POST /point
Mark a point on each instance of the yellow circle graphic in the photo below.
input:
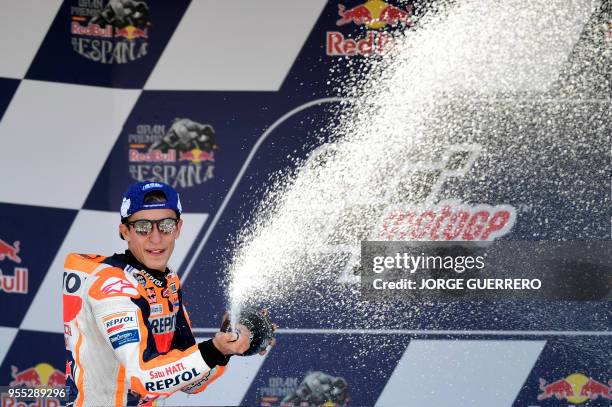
(577, 380)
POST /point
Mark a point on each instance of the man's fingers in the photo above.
(271, 343)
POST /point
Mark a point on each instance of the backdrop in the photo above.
(90, 102)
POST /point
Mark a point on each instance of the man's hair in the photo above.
(155, 196)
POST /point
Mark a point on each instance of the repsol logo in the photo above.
(172, 381)
(162, 325)
(121, 320)
(154, 280)
(72, 282)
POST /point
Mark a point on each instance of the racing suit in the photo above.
(128, 337)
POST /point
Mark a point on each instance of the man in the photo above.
(128, 336)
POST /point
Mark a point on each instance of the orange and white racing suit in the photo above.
(128, 337)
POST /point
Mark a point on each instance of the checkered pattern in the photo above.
(253, 71)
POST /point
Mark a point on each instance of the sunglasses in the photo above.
(145, 226)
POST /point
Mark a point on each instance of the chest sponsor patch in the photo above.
(163, 324)
(121, 328)
(139, 277)
(156, 309)
(151, 278)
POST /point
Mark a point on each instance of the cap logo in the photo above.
(152, 185)
(125, 207)
(155, 205)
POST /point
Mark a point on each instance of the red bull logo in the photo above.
(575, 388)
(359, 15)
(197, 156)
(43, 374)
(131, 33)
(154, 156)
(10, 252)
(373, 43)
(374, 15)
(183, 155)
(18, 282)
(91, 30)
(112, 33)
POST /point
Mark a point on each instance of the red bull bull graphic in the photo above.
(131, 33)
(575, 388)
(181, 156)
(359, 15)
(18, 282)
(28, 377)
(375, 16)
(56, 379)
(594, 389)
(113, 33)
(9, 252)
(197, 156)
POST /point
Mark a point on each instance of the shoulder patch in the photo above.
(115, 285)
(121, 328)
(112, 282)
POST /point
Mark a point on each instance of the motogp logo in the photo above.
(410, 209)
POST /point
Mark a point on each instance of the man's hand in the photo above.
(231, 343)
(224, 340)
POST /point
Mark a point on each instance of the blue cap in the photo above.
(133, 199)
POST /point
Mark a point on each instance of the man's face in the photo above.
(152, 250)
